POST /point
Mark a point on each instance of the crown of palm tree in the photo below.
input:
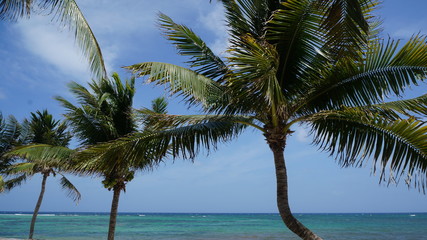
(322, 63)
(43, 130)
(105, 111)
(317, 62)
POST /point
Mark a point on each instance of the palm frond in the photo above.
(12, 133)
(46, 130)
(2, 184)
(354, 136)
(408, 107)
(194, 87)
(105, 111)
(9, 130)
(203, 60)
(14, 182)
(68, 13)
(167, 121)
(254, 78)
(145, 150)
(247, 16)
(9, 134)
(26, 168)
(14, 9)
(82, 94)
(53, 156)
(384, 71)
(159, 105)
(347, 24)
(296, 31)
(72, 191)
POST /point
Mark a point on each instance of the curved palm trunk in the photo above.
(277, 146)
(39, 203)
(113, 213)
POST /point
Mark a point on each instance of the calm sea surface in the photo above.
(89, 226)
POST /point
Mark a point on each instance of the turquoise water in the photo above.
(133, 226)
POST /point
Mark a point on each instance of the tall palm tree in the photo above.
(12, 134)
(67, 13)
(105, 114)
(317, 62)
(44, 130)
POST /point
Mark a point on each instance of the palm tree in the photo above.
(12, 134)
(106, 114)
(44, 130)
(67, 13)
(319, 63)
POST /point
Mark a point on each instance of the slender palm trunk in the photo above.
(39, 203)
(277, 144)
(113, 213)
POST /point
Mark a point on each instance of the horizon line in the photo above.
(106, 212)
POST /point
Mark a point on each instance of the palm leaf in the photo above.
(82, 94)
(42, 154)
(167, 121)
(145, 150)
(242, 17)
(408, 107)
(72, 191)
(159, 105)
(2, 184)
(12, 133)
(203, 60)
(296, 30)
(254, 78)
(13, 9)
(194, 87)
(68, 13)
(14, 182)
(104, 113)
(19, 168)
(9, 130)
(347, 24)
(354, 136)
(384, 71)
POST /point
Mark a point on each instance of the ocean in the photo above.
(192, 226)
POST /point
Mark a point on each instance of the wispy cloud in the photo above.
(53, 46)
(302, 134)
(215, 22)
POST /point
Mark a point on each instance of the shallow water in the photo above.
(132, 226)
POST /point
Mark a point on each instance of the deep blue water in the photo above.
(191, 226)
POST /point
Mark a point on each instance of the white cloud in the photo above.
(127, 16)
(215, 22)
(53, 46)
(302, 134)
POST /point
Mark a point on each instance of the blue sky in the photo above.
(38, 58)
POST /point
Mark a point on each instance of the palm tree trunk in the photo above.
(277, 143)
(39, 203)
(113, 213)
